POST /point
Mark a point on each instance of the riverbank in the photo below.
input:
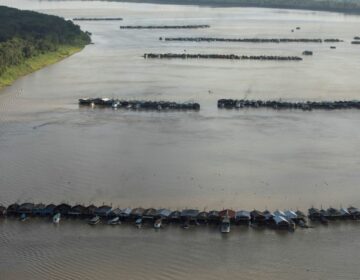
(35, 63)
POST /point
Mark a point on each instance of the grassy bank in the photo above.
(35, 63)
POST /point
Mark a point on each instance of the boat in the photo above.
(138, 222)
(354, 212)
(186, 224)
(242, 217)
(94, 220)
(225, 225)
(282, 223)
(332, 214)
(114, 221)
(56, 218)
(314, 214)
(158, 223)
(23, 217)
(345, 214)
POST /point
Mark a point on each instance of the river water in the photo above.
(53, 151)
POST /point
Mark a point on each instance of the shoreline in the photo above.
(38, 62)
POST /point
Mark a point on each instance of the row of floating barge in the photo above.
(97, 19)
(138, 105)
(219, 56)
(273, 104)
(250, 40)
(221, 103)
(192, 26)
(188, 217)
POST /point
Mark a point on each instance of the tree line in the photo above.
(25, 34)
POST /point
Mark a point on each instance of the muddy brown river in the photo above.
(53, 151)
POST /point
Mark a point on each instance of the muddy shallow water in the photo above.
(53, 151)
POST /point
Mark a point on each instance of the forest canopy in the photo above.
(25, 34)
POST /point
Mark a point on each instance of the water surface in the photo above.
(53, 151)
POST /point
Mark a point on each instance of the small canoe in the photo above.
(114, 221)
(225, 225)
(95, 220)
(158, 224)
(138, 222)
(56, 218)
(23, 217)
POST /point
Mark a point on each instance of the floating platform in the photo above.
(220, 56)
(287, 219)
(138, 104)
(277, 105)
(97, 19)
(194, 26)
(249, 40)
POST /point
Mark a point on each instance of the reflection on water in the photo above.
(52, 150)
(78, 251)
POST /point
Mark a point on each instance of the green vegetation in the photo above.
(30, 41)
(344, 6)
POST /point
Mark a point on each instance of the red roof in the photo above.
(227, 212)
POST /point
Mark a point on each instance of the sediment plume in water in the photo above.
(138, 104)
(219, 56)
(248, 40)
(195, 26)
(274, 104)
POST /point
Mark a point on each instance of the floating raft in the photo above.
(277, 105)
(287, 219)
(195, 26)
(219, 56)
(138, 104)
(96, 19)
(249, 40)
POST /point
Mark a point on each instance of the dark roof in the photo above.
(203, 215)
(50, 206)
(191, 213)
(137, 211)
(175, 214)
(26, 206)
(150, 212)
(13, 207)
(39, 206)
(78, 208)
(103, 209)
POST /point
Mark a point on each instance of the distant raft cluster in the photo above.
(139, 216)
(190, 26)
(96, 19)
(219, 56)
(138, 104)
(250, 40)
(356, 41)
(278, 104)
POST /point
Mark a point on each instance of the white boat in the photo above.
(95, 220)
(114, 221)
(158, 223)
(56, 218)
(138, 222)
(225, 225)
